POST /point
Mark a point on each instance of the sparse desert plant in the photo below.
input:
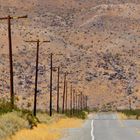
(4, 106)
(131, 114)
(45, 118)
(32, 120)
(29, 105)
(77, 114)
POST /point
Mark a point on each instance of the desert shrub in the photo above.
(11, 123)
(82, 115)
(32, 120)
(128, 113)
(43, 117)
(4, 106)
(78, 114)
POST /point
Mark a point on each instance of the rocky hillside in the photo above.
(99, 40)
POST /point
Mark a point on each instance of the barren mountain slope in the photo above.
(99, 40)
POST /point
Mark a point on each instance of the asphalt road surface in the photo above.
(105, 126)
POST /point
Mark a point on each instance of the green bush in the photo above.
(82, 115)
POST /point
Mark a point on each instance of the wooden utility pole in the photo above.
(51, 69)
(66, 105)
(51, 78)
(85, 99)
(58, 81)
(64, 93)
(71, 90)
(86, 102)
(36, 75)
(77, 102)
(130, 103)
(81, 101)
(8, 18)
(73, 101)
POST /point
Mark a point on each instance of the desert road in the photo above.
(106, 126)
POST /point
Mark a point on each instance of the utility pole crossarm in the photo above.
(19, 17)
(37, 41)
(45, 41)
(4, 18)
(32, 41)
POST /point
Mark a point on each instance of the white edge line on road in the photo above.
(92, 130)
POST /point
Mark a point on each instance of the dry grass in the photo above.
(67, 123)
(122, 116)
(47, 132)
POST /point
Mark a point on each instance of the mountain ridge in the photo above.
(103, 53)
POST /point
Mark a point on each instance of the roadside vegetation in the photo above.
(21, 124)
(130, 114)
(51, 131)
(80, 114)
(4, 107)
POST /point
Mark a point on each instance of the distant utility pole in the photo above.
(51, 78)
(58, 87)
(86, 102)
(71, 99)
(8, 18)
(81, 101)
(58, 82)
(66, 107)
(36, 75)
(77, 102)
(130, 103)
(64, 93)
(51, 69)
